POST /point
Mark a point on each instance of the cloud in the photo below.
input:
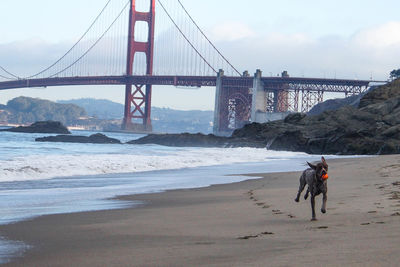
(381, 36)
(374, 51)
(231, 31)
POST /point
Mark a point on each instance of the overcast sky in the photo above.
(356, 39)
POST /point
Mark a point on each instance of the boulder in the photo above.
(41, 127)
(182, 140)
(95, 139)
(381, 94)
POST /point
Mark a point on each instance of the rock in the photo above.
(294, 117)
(41, 127)
(95, 139)
(182, 140)
(381, 94)
(334, 104)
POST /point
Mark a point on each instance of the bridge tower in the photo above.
(138, 101)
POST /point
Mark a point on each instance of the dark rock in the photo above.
(41, 127)
(182, 140)
(334, 104)
(381, 94)
(294, 118)
(94, 138)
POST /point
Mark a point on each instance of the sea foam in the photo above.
(34, 167)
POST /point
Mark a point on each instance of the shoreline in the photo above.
(253, 222)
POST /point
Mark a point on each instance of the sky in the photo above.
(354, 39)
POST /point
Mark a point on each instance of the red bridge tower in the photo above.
(138, 101)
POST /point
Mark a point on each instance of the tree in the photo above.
(394, 74)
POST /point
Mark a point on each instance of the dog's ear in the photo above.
(314, 167)
(324, 162)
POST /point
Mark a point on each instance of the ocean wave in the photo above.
(35, 167)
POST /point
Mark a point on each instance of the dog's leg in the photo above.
(306, 195)
(313, 208)
(324, 199)
(301, 187)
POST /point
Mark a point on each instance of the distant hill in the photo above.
(23, 110)
(163, 119)
(99, 108)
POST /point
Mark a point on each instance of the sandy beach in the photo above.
(251, 223)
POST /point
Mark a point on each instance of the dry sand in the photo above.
(252, 223)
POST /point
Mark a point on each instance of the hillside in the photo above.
(163, 119)
(25, 110)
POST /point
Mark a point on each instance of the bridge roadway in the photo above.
(294, 83)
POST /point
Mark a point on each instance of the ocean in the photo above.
(49, 178)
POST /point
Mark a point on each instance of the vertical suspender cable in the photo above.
(180, 3)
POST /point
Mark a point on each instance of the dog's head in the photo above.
(321, 169)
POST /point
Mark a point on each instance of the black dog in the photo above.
(316, 179)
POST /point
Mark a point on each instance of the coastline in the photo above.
(254, 222)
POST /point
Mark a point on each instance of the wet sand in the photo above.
(251, 223)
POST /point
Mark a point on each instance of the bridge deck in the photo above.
(327, 85)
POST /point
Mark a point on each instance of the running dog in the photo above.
(316, 178)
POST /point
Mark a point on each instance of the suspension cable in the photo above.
(190, 43)
(94, 44)
(9, 73)
(205, 36)
(77, 42)
(4, 77)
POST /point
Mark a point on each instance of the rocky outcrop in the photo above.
(41, 127)
(94, 138)
(333, 104)
(195, 140)
(381, 94)
(182, 140)
(371, 128)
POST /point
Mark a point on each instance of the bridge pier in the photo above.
(137, 115)
(266, 99)
(232, 104)
(260, 98)
(218, 104)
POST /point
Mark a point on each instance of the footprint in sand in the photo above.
(266, 206)
(277, 212)
(291, 216)
(247, 237)
(254, 236)
(372, 211)
(253, 198)
(364, 223)
(380, 222)
(267, 233)
(260, 203)
(319, 227)
(396, 214)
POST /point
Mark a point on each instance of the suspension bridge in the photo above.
(127, 44)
